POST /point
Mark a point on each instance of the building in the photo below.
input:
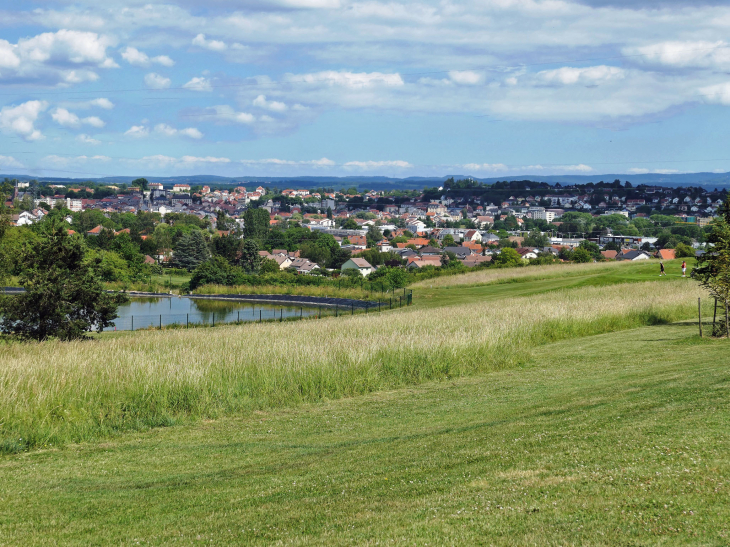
(360, 264)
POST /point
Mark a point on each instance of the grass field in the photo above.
(620, 438)
(523, 409)
(52, 393)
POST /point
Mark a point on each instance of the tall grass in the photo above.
(328, 291)
(505, 275)
(53, 393)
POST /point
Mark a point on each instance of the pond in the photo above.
(140, 313)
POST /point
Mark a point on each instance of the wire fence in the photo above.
(258, 314)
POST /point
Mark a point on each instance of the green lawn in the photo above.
(621, 438)
(541, 282)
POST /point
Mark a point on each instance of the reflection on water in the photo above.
(147, 312)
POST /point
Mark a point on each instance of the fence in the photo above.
(327, 308)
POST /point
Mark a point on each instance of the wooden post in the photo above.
(699, 310)
(214, 319)
(714, 317)
(239, 317)
(160, 322)
(133, 323)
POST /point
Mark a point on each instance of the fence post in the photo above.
(281, 317)
(160, 322)
(337, 310)
(214, 319)
(378, 305)
(133, 323)
(320, 313)
(699, 309)
(301, 313)
(714, 317)
(239, 317)
(353, 309)
(260, 320)
(187, 320)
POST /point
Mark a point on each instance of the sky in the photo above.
(363, 87)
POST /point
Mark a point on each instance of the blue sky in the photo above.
(348, 87)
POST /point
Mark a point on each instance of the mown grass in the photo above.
(53, 393)
(617, 439)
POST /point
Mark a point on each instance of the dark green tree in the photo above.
(250, 259)
(141, 183)
(256, 223)
(713, 267)
(64, 296)
(192, 250)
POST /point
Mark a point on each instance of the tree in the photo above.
(329, 213)
(350, 224)
(684, 251)
(536, 239)
(581, 255)
(256, 223)
(215, 271)
(713, 267)
(508, 257)
(374, 236)
(448, 241)
(192, 250)
(142, 183)
(250, 258)
(64, 296)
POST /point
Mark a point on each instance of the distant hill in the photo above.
(707, 180)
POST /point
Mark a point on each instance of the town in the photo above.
(463, 221)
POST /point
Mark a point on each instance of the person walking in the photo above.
(684, 268)
(662, 272)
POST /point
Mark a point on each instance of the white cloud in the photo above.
(465, 77)
(586, 76)
(212, 45)
(354, 80)
(86, 139)
(137, 131)
(378, 164)
(206, 159)
(486, 167)
(170, 131)
(644, 171)
(225, 113)
(66, 56)
(274, 106)
(716, 94)
(155, 81)
(19, 120)
(70, 160)
(10, 161)
(582, 168)
(686, 54)
(68, 119)
(102, 102)
(322, 162)
(199, 84)
(136, 57)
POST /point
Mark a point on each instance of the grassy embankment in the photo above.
(54, 393)
(617, 439)
(327, 291)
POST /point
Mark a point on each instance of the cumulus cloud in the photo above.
(10, 161)
(212, 45)
(683, 54)
(71, 160)
(137, 131)
(65, 56)
(102, 102)
(465, 77)
(716, 94)
(274, 106)
(156, 81)
(163, 161)
(68, 119)
(19, 120)
(225, 113)
(486, 167)
(170, 131)
(586, 76)
(644, 171)
(199, 84)
(138, 58)
(322, 162)
(378, 164)
(86, 139)
(347, 79)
